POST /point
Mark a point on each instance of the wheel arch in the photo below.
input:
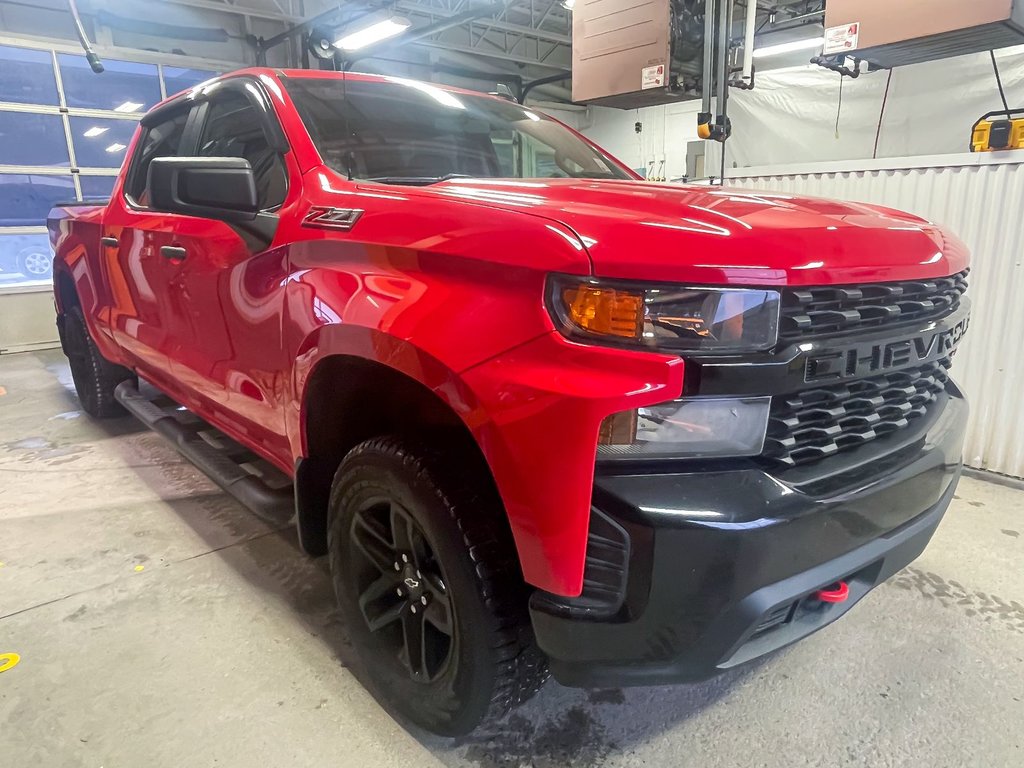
(347, 397)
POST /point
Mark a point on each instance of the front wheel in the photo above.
(429, 588)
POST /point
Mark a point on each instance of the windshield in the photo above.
(408, 132)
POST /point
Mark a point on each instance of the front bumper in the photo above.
(694, 572)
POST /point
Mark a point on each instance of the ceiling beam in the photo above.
(427, 9)
(236, 9)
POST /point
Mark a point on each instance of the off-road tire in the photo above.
(94, 376)
(494, 663)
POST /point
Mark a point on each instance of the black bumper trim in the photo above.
(723, 562)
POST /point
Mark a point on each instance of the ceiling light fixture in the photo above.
(790, 47)
(116, 147)
(374, 33)
(94, 132)
(128, 106)
(568, 4)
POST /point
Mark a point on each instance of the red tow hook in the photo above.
(834, 593)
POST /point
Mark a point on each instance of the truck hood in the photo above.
(715, 235)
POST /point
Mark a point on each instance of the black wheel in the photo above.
(430, 589)
(95, 377)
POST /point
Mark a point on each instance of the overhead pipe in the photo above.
(793, 22)
(542, 81)
(748, 44)
(90, 55)
(472, 69)
(724, 17)
(262, 46)
(709, 57)
(722, 126)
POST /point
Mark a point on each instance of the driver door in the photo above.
(230, 285)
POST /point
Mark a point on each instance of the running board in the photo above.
(256, 483)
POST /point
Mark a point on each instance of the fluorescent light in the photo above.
(94, 132)
(795, 45)
(116, 147)
(568, 4)
(374, 33)
(128, 106)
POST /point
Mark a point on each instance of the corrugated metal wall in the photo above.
(982, 201)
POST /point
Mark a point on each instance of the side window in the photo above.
(161, 140)
(233, 129)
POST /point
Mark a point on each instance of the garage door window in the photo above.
(26, 76)
(64, 134)
(101, 142)
(125, 86)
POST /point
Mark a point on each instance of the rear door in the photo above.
(133, 256)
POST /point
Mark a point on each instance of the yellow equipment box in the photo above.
(991, 135)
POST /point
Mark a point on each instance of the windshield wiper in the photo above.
(418, 181)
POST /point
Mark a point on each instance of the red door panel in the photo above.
(140, 288)
(227, 313)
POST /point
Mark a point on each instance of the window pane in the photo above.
(25, 259)
(25, 200)
(124, 85)
(405, 132)
(233, 129)
(101, 143)
(26, 76)
(160, 141)
(97, 186)
(27, 139)
(177, 79)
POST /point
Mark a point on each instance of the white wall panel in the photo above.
(982, 201)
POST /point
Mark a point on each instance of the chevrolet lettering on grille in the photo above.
(858, 361)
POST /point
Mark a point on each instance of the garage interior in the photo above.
(158, 621)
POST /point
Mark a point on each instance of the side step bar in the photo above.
(262, 488)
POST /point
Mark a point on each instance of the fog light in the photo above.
(693, 427)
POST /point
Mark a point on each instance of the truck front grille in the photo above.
(830, 310)
(815, 423)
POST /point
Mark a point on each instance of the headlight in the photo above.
(664, 317)
(694, 427)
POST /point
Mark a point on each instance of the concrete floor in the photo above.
(161, 624)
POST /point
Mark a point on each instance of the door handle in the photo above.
(173, 252)
(109, 242)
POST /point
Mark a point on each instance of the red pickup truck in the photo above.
(538, 413)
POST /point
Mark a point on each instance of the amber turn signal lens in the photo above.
(605, 311)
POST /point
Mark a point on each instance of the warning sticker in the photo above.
(652, 77)
(842, 39)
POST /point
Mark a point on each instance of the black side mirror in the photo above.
(222, 188)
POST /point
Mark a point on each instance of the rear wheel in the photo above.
(429, 587)
(95, 377)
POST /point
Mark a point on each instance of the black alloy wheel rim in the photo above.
(403, 595)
